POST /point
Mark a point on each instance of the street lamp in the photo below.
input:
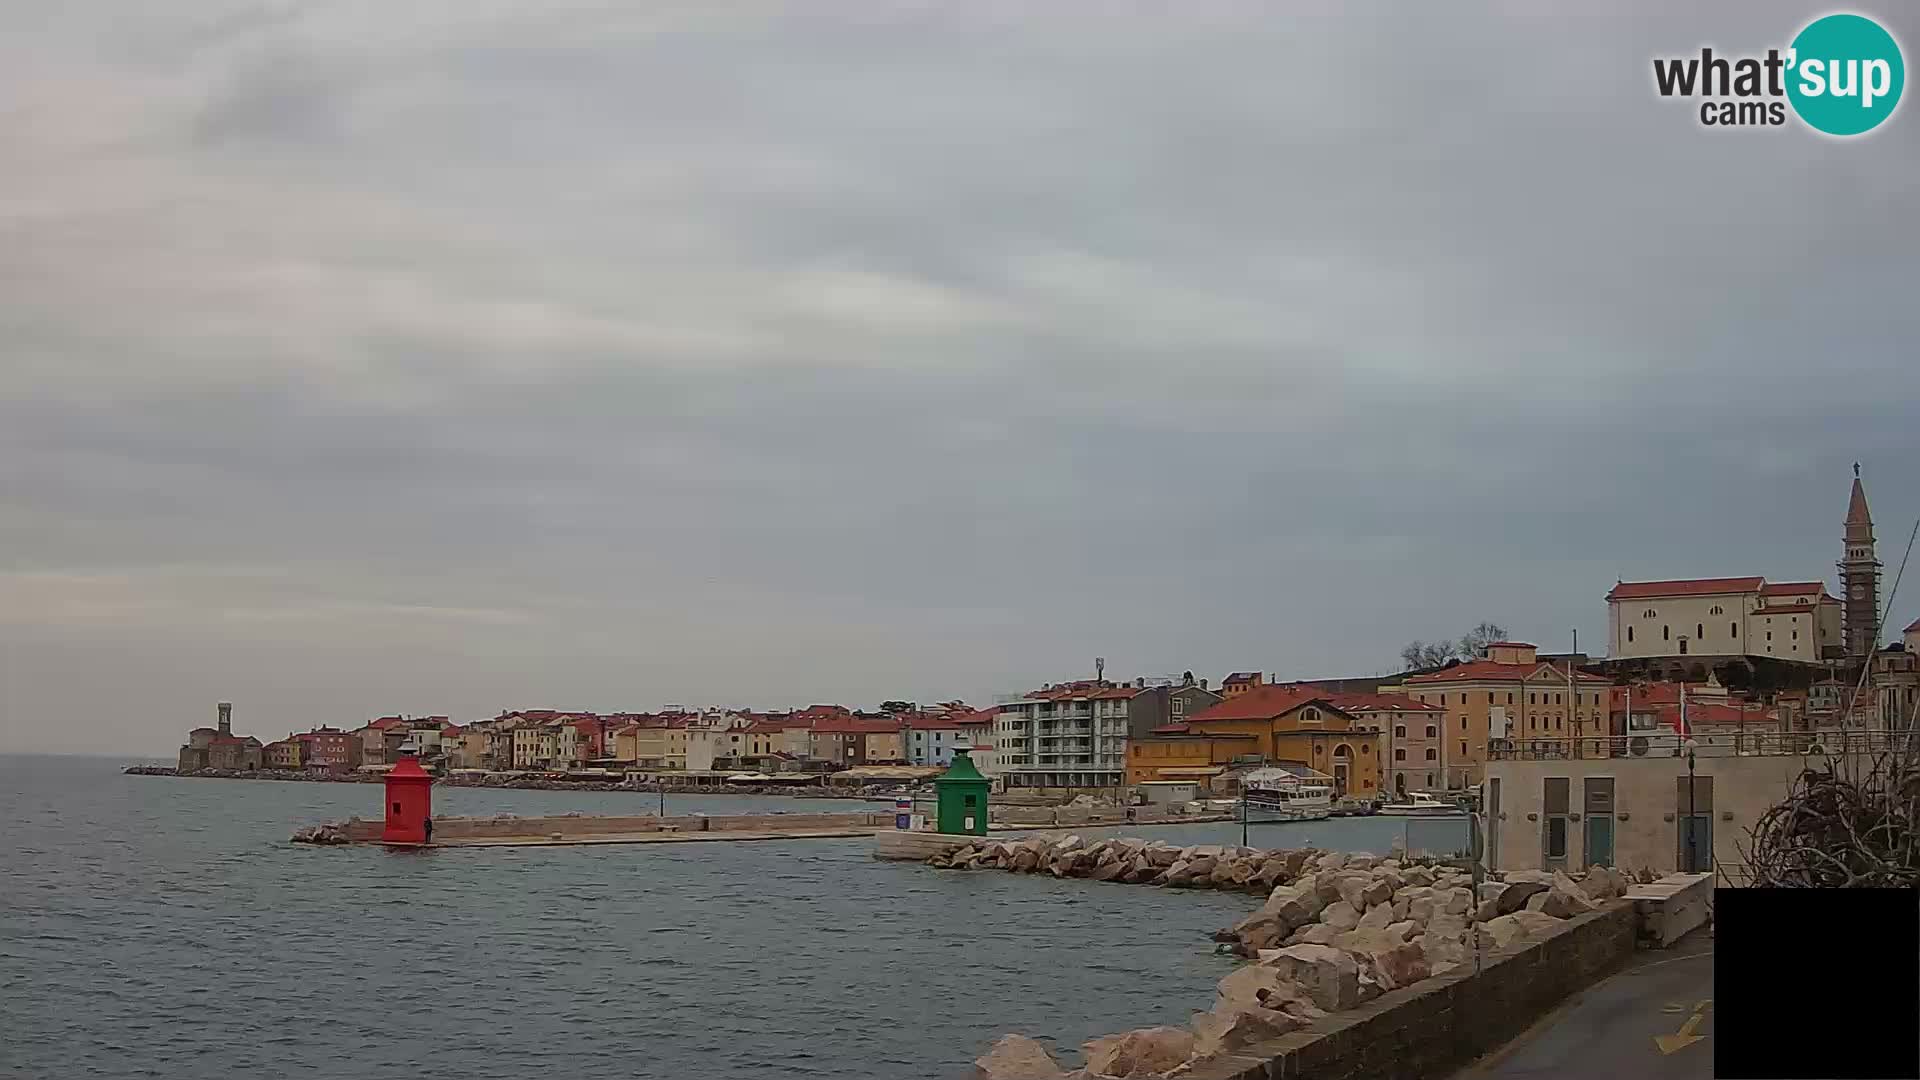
(1693, 855)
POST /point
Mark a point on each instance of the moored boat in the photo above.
(1421, 804)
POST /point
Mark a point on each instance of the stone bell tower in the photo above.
(1860, 578)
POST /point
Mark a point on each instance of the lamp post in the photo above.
(1693, 839)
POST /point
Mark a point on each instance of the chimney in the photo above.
(1203, 684)
(226, 717)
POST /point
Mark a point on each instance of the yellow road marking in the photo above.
(1684, 1038)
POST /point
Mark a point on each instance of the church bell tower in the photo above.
(1860, 577)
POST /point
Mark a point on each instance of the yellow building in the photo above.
(1266, 724)
(1173, 753)
(1510, 695)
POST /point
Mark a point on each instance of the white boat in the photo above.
(1279, 795)
(1421, 804)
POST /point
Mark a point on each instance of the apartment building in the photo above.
(1066, 735)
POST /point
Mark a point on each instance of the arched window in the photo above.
(1629, 633)
(1666, 634)
(1699, 630)
(1717, 610)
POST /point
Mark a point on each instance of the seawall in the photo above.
(1440, 1023)
(585, 829)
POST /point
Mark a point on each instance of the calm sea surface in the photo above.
(162, 927)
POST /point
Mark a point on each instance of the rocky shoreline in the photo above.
(1335, 931)
(518, 783)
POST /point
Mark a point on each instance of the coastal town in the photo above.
(1745, 665)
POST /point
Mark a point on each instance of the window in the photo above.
(1432, 754)
(1399, 753)
(1509, 698)
(1717, 610)
(1463, 699)
(1463, 748)
(1769, 635)
(1796, 635)
(1433, 731)
(1733, 629)
(1699, 630)
(1399, 731)
(1489, 697)
(1629, 633)
(1556, 700)
(1366, 748)
(1666, 634)
(1533, 699)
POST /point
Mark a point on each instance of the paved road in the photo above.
(1614, 1029)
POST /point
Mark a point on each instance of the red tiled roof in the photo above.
(1511, 645)
(1793, 588)
(1178, 727)
(1379, 702)
(977, 717)
(854, 725)
(1263, 703)
(1646, 590)
(935, 722)
(1240, 677)
(1488, 670)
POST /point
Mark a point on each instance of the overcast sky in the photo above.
(444, 357)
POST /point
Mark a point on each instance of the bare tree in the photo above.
(1474, 643)
(1420, 655)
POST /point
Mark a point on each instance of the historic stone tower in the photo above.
(1860, 578)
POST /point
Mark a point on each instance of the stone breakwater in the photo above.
(1335, 932)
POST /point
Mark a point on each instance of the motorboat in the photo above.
(1421, 804)
(1279, 795)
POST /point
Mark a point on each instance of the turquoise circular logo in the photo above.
(1845, 74)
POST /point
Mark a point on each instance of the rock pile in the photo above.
(321, 834)
(1336, 931)
(1133, 862)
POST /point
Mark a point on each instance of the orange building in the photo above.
(1267, 724)
(1511, 695)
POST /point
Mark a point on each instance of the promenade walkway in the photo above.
(1652, 1021)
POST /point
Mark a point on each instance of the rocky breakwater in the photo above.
(1335, 931)
(1133, 862)
(328, 833)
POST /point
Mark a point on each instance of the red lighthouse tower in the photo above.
(409, 803)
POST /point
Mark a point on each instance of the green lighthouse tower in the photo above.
(961, 803)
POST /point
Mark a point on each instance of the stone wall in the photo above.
(1436, 1025)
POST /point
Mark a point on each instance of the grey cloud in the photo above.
(446, 359)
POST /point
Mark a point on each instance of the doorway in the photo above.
(1693, 825)
(1598, 848)
(1493, 823)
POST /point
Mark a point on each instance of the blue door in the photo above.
(1696, 844)
(1599, 840)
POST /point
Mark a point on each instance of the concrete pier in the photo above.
(576, 829)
